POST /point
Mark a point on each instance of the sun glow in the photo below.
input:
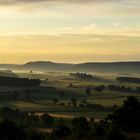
(63, 31)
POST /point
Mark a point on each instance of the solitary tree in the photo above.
(80, 126)
(74, 102)
(55, 100)
(88, 91)
(47, 119)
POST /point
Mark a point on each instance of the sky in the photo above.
(70, 31)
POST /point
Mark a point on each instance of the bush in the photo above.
(10, 131)
(47, 119)
(61, 131)
(80, 126)
(116, 134)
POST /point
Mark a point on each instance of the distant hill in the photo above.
(48, 66)
(124, 68)
(103, 67)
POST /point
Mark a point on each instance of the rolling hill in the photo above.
(97, 67)
(104, 67)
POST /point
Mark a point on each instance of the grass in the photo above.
(26, 105)
(59, 83)
(107, 102)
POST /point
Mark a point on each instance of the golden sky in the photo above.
(69, 30)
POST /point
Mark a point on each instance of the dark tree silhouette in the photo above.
(99, 89)
(88, 91)
(55, 100)
(10, 131)
(74, 102)
(61, 131)
(127, 117)
(18, 82)
(47, 119)
(80, 126)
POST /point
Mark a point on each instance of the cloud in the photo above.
(73, 7)
(93, 30)
(7, 2)
(10, 2)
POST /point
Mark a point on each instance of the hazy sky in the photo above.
(69, 30)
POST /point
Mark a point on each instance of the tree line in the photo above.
(128, 80)
(18, 82)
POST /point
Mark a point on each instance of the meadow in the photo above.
(57, 89)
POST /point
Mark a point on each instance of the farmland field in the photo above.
(63, 87)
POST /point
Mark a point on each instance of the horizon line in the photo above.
(84, 62)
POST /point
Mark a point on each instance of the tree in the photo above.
(47, 119)
(138, 89)
(83, 103)
(15, 94)
(62, 104)
(55, 100)
(61, 131)
(127, 117)
(88, 91)
(33, 117)
(80, 126)
(61, 94)
(35, 135)
(9, 113)
(99, 129)
(99, 89)
(116, 134)
(10, 131)
(27, 94)
(74, 102)
(71, 85)
(31, 71)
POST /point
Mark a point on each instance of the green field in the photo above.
(54, 84)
